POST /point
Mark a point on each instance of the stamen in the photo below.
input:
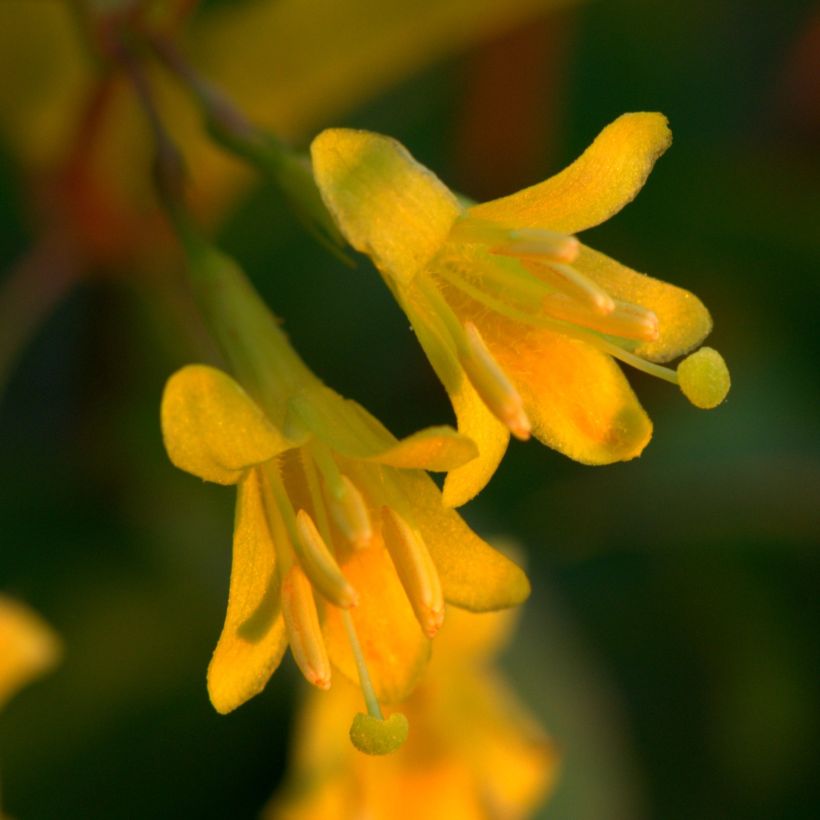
(492, 383)
(627, 320)
(569, 281)
(565, 328)
(304, 633)
(319, 564)
(416, 571)
(536, 242)
(350, 513)
(515, 241)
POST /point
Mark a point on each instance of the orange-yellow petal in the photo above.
(253, 639)
(683, 319)
(473, 575)
(212, 428)
(605, 178)
(577, 398)
(395, 649)
(386, 204)
(434, 448)
(28, 647)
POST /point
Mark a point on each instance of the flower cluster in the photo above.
(343, 549)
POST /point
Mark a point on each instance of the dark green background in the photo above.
(671, 643)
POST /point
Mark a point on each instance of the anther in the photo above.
(319, 564)
(416, 571)
(302, 624)
(627, 320)
(492, 383)
(537, 242)
(567, 280)
(349, 511)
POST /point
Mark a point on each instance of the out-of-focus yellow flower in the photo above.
(342, 546)
(28, 647)
(291, 64)
(473, 752)
(520, 321)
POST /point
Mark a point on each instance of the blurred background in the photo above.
(670, 646)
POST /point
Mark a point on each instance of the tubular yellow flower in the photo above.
(474, 753)
(342, 546)
(522, 322)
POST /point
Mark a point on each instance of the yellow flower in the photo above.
(473, 752)
(520, 321)
(28, 647)
(342, 546)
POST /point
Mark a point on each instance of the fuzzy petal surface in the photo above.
(253, 638)
(684, 320)
(387, 205)
(577, 398)
(212, 428)
(605, 178)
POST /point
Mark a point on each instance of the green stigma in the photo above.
(704, 378)
(374, 736)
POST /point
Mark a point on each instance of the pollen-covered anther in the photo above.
(304, 633)
(565, 279)
(538, 242)
(349, 511)
(627, 321)
(493, 384)
(319, 564)
(416, 571)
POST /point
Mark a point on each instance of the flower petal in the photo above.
(350, 430)
(684, 320)
(212, 428)
(607, 176)
(386, 204)
(395, 649)
(473, 575)
(434, 448)
(490, 436)
(253, 639)
(576, 397)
